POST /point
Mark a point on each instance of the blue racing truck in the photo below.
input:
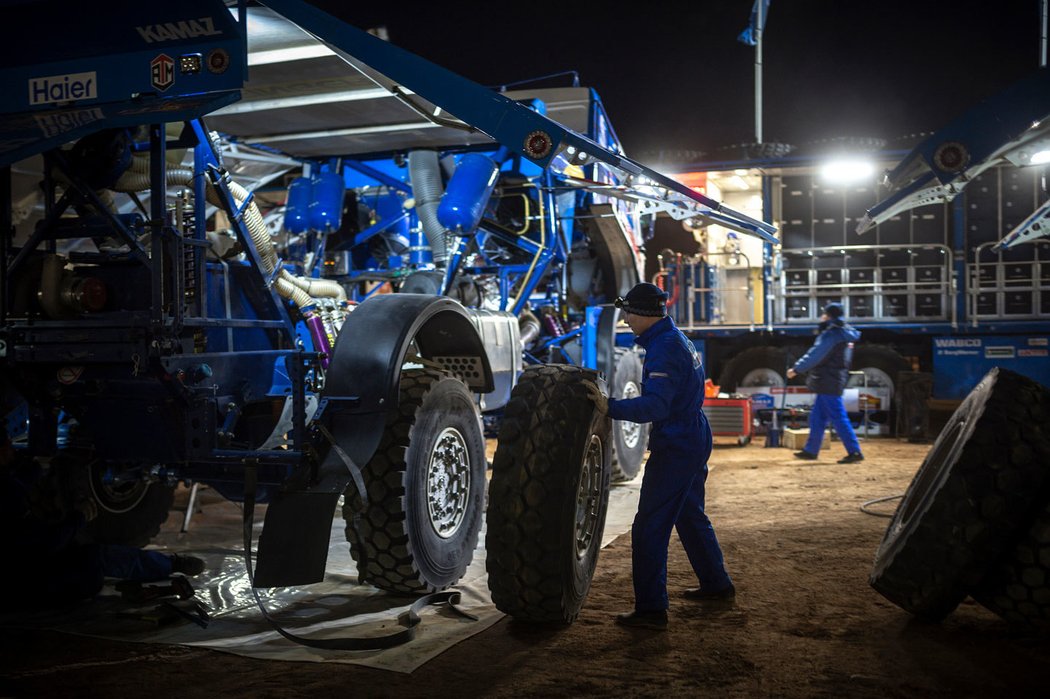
(255, 247)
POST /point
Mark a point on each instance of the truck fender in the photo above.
(362, 385)
(365, 370)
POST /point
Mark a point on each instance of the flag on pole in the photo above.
(748, 35)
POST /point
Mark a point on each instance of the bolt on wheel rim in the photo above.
(589, 497)
(630, 431)
(448, 483)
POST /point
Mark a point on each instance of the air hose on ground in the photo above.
(409, 619)
(865, 510)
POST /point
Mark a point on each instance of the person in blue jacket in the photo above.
(828, 362)
(672, 494)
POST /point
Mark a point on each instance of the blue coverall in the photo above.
(673, 486)
(48, 565)
(828, 362)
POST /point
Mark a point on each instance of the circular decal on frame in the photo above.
(538, 144)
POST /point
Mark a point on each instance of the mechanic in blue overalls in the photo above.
(672, 492)
(828, 362)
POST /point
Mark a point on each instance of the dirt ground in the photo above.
(805, 623)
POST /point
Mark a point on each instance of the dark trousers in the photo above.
(673, 496)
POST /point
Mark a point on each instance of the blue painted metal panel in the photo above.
(959, 362)
(130, 64)
(109, 54)
(386, 172)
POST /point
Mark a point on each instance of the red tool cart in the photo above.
(729, 417)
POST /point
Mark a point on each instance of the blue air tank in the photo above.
(297, 205)
(327, 211)
(468, 193)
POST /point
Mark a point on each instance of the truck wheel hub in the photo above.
(588, 497)
(448, 483)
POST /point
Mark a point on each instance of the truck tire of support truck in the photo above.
(756, 366)
(881, 365)
(629, 438)
(1017, 587)
(971, 499)
(548, 496)
(426, 490)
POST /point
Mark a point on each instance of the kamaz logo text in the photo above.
(960, 342)
(63, 88)
(169, 31)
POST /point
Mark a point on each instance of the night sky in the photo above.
(673, 76)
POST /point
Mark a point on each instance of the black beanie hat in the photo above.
(834, 310)
(644, 299)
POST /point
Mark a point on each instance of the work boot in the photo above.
(805, 455)
(852, 458)
(187, 565)
(701, 595)
(644, 620)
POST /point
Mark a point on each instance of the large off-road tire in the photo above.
(756, 366)
(426, 490)
(629, 438)
(971, 497)
(130, 511)
(1017, 587)
(548, 496)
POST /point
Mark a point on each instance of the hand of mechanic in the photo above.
(792, 373)
(601, 401)
(87, 507)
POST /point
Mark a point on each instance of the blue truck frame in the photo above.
(147, 361)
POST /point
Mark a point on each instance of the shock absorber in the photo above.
(551, 323)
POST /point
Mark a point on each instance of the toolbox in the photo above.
(729, 417)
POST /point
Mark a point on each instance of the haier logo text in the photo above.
(63, 88)
(169, 31)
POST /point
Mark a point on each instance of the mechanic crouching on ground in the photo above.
(49, 565)
(672, 492)
(828, 362)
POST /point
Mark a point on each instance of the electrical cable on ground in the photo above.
(863, 508)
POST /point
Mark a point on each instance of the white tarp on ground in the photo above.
(336, 607)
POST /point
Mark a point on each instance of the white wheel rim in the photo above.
(117, 499)
(448, 483)
(630, 431)
(762, 377)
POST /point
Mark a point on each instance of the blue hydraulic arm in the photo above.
(541, 140)
(1010, 127)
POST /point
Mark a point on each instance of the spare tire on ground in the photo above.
(548, 496)
(1017, 587)
(974, 493)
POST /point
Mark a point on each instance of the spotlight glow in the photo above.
(1041, 158)
(847, 171)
